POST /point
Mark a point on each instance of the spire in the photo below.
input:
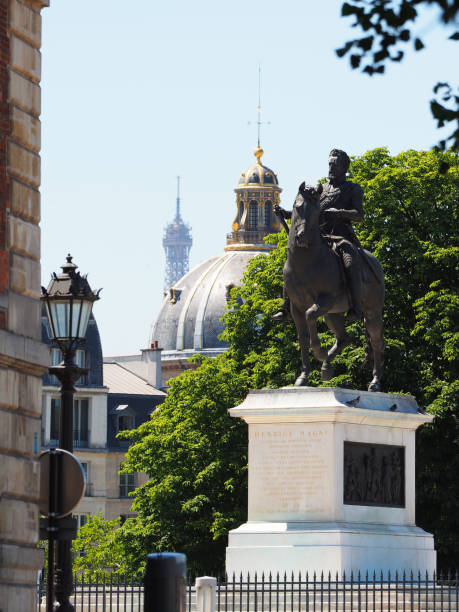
(259, 151)
(177, 212)
(177, 243)
(259, 106)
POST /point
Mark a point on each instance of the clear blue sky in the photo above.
(135, 93)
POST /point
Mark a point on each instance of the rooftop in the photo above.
(120, 380)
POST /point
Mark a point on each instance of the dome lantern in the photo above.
(256, 194)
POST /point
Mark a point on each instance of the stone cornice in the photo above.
(330, 405)
(23, 354)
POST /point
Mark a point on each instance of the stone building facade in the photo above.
(23, 357)
(110, 398)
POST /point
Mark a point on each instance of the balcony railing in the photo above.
(80, 438)
(247, 237)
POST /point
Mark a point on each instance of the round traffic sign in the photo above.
(70, 481)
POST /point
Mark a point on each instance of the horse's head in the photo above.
(305, 218)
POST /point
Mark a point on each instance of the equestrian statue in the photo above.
(328, 273)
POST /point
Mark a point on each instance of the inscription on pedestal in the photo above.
(374, 475)
(289, 473)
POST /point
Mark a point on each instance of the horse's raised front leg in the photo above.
(312, 314)
(335, 323)
(303, 338)
(374, 327)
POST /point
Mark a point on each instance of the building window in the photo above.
(56, 358)
(81, 362)
(127, 484)
(253, 215)
(55, 420)
(43, 420)
(125, 422)
(80, 422)
(82, 519)
(268, 209)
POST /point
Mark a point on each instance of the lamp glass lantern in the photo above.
(68, 300)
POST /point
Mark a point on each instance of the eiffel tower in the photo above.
(177, 243)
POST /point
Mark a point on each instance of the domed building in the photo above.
(189, 318)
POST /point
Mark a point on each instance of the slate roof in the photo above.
(121, 381)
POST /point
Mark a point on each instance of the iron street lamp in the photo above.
(68, 300)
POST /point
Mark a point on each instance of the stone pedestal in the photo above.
(331, 484)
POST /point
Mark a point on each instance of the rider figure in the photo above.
(340, 205)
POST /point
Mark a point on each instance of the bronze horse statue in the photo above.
(315, 283)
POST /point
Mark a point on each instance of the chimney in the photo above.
(151, 358)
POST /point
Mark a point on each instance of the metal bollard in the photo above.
(206, 590)
(164, 583)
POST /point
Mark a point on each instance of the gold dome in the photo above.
(258, 175)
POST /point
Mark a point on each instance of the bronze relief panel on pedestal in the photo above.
(374, 475)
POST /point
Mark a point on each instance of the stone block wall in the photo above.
(23, 358)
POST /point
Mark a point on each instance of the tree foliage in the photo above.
(388, 27)
(96, 550)
(196, 455)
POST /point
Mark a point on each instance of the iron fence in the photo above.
(282, 593)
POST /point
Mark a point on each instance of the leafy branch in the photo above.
(388, 28)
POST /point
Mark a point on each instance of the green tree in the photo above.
(411, 225)
(195, 455)
(387, 27)
(97, 550)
